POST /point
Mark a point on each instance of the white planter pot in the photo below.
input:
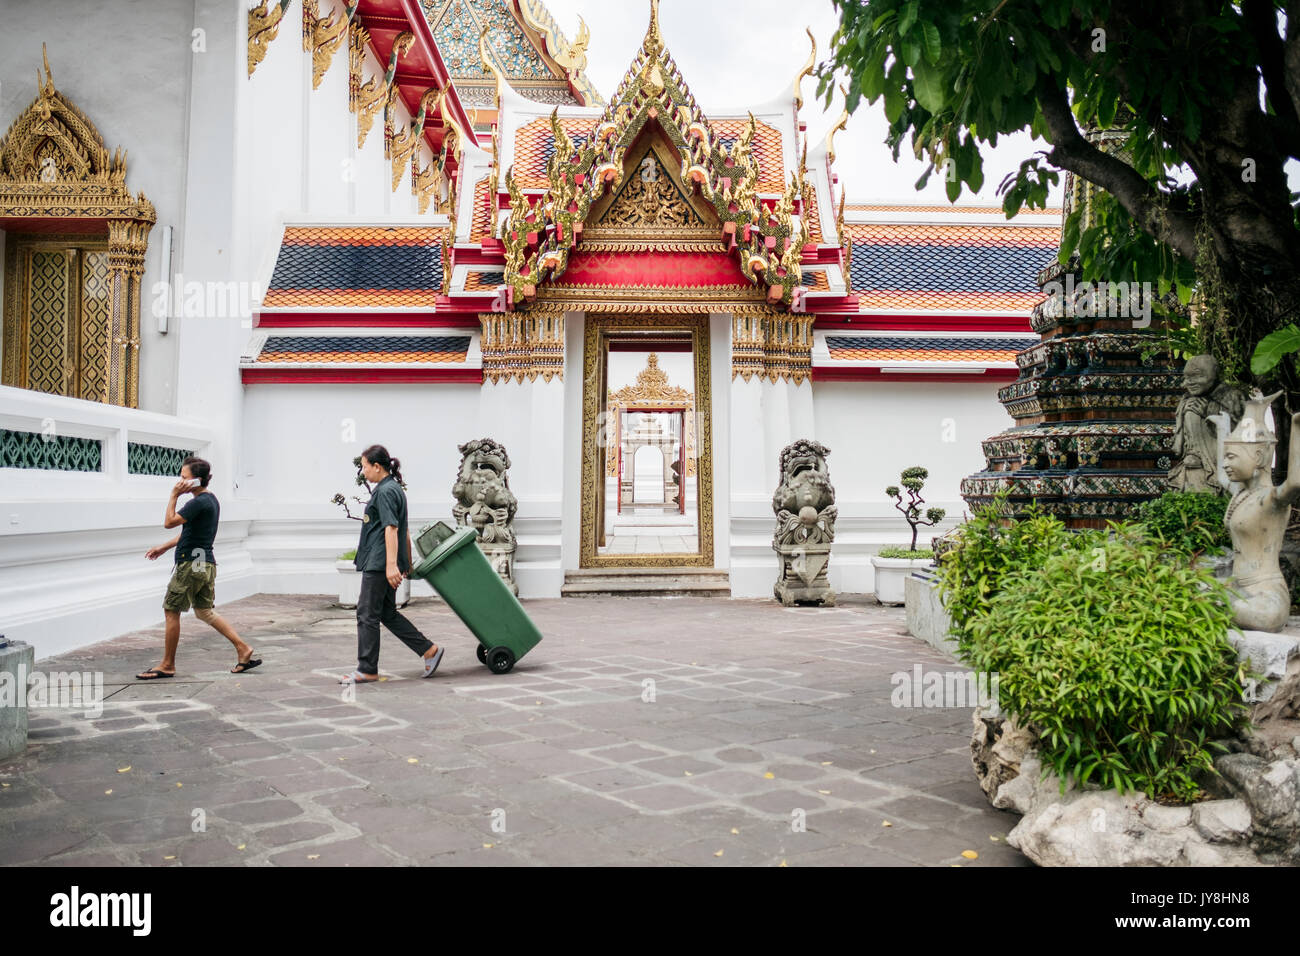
(350, 586)
(890, 575)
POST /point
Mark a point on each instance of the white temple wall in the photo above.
(135, 89)
(766, 417)
(296, 453)
(72, 543)
(874, 431)
(528, 419)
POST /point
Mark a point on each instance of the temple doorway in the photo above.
(642, 423)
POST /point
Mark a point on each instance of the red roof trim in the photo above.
(357, 376)
(826, 374)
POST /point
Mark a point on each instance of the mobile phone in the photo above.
(194, 482)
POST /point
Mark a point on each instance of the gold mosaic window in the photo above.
(56, 316)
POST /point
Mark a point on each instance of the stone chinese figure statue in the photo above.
(1194, 436)
(804, 504)
(1257, 518)
(484, 502)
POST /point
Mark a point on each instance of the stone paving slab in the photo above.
(671, 731)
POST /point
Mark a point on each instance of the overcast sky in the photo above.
(735, 53)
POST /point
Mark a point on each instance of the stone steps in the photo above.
(646, 582)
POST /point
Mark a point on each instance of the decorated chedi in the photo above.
(484, 502)
(1196, 438)
(1094, 401)
(1257, 518)
(804, 504)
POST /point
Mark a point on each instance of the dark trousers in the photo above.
(378, 605)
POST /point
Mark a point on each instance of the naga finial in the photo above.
(840, 124)
(490, 66)
(806, 71)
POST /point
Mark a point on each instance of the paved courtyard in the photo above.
(641, 731)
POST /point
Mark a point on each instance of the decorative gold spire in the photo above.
(806, 71)
(490, 65)
(840, 124)
(654, 40)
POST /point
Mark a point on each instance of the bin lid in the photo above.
(445, 550)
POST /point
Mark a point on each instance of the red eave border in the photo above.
(364, 320)
(858, 374)
(358, 376)
(867, 322)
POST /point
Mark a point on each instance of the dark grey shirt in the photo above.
(201, 514)
(386, 508)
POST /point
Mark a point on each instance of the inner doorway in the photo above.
(647, 457)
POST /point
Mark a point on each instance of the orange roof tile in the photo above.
(766, 150)
(923, 355)
(363, 358)
(363, 235)
(481, 226)
(364, 298)
(896, 299)
(535, 144)
(927, 233)
(942, 207)
(481, 281)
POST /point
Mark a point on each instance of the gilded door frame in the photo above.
(595, 351)
(17, 311)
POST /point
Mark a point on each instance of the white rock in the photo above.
(1166, 818)
(1222, 821)
(1103, 828)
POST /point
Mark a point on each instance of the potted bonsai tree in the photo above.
(349, 576)
(893, 565)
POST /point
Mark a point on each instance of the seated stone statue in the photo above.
(1194, 436)
(1257, 518)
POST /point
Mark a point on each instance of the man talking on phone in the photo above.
(195, 577)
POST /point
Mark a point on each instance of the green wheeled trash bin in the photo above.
(455, 567)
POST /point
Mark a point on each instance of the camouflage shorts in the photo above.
(193, 582)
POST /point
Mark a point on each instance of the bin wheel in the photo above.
(500, 660)
(482, 654)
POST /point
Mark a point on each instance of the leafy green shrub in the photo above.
(987, 549)
(895, 552)
(1117, 658)
(348, 555)
(1187, 521)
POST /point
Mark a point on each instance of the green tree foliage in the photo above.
(1206, 94)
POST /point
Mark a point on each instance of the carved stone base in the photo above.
(803, 575)
(503, 563)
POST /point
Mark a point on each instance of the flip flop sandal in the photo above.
(356, 677)
(154, 674)
(431, 663)
(242, 666)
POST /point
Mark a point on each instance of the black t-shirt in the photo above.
(386, 508)
(201, 514)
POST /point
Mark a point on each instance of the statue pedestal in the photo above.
(803, 575)
(16, 662)
(1268, 654)
(502, 559)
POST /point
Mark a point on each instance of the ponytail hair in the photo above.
(378, 455)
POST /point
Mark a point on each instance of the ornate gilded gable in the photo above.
(525, 44)
(53, 160)
(767, 238)
(649, 201)
(652, 389)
